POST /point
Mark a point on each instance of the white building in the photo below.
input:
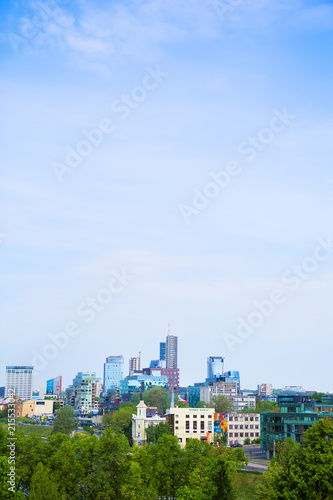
(141, 421)
(265, 390)
(241, 402)
(19, 382)
(243, 426)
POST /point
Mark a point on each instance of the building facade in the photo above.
(188, 423)
(243, 426)
(171, 351)
(52, 387)
(215, 366)
(162, 351)
(265, 390)
(145, 416)
(297, 414)
(134, 365)
(82, 393)
(19, 382)
(113, 372)
(172, 375)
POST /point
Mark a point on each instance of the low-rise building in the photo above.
(297, 414)
(243, 426)
(188, 423)
(144, 417)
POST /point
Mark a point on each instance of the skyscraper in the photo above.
(162, 351)
(113, 372)
(215, 366)
(50, 387)
(134, 365)
(171, 351)
(19, 381)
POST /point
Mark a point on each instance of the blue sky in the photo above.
(221, 80)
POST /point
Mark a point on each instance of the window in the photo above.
(231, 426)
(236, 434)
(241, 427)
(194, 425)
(194, 416)
(246, 419)
(257, 426)
(231, 434)
(176, 428)
(202, 416)
(241, 435)
(187, 416)
(209, 426)
(257, 434)
(246, 434)
(187, 424)
(251, 426)
(236, 426)
(202, 425)
(177, 422)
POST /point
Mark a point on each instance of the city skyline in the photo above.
(168, 162)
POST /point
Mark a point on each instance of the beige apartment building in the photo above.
(188, 423)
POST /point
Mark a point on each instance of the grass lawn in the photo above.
(37, 430)
(245, 484)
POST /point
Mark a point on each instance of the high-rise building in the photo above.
(171, 351)
(162, 351)
(50, 387)
(214, 366)
(113, 372)
(19, 381)
(82, 393)
(134, 365)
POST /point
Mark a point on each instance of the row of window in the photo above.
(243, 434)
(241, 426)
(245, 419)
(195, 416)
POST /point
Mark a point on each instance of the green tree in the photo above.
(170, 471)
(5, 493)
(153, 432)
(65, 421)
(221, 474)
(89, 429)
(302, 471)
(222, 404)
(112, 463)
(157, 397)
(43, 485)
(120, 421)
(201, 404)
(318, 395)
(133, 489)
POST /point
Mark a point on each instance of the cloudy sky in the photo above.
(168, 162)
